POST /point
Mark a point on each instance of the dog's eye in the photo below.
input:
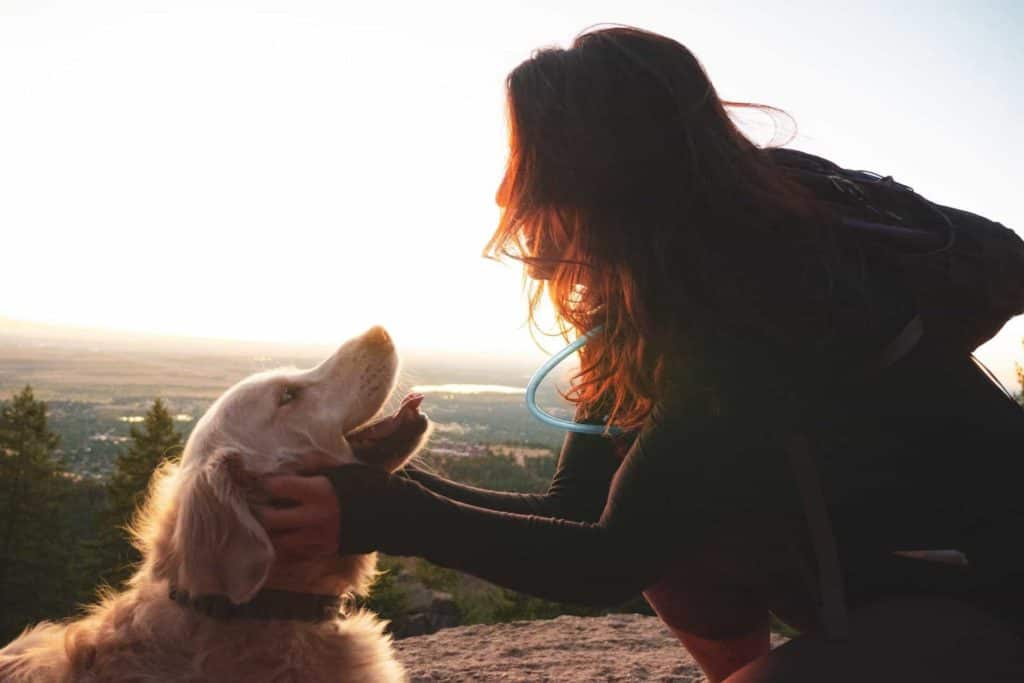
(288, 395)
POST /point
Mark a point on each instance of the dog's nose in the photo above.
(378, 335)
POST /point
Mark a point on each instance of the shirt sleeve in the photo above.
(665, 499)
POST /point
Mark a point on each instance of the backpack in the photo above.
(965, 272)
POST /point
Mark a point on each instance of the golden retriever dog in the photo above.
(208, 602)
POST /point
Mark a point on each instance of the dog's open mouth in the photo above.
(389, 440)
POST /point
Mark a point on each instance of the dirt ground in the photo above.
(619, 647)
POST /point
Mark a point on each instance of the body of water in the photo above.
(468, 389)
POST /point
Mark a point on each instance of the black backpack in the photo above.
(964, 271)
(966, 276)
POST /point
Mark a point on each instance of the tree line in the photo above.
(62, 536)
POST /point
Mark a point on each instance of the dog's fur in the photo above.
(196, 531)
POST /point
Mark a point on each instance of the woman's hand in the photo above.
(309, 529)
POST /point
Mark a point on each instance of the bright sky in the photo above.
(298, 170)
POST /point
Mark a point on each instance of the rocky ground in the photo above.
(618, 647)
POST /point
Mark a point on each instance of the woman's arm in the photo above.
(578, 490)
(667, 498)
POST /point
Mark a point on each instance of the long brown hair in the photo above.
(637, 204)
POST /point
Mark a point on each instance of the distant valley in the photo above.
(97, 384)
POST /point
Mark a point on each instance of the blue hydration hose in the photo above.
(544, 371)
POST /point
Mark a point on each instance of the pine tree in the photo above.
(155, 441)
(33, 547)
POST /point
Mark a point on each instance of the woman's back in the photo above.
(925, 455)
(932, 442)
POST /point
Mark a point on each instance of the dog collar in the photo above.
(266, 605)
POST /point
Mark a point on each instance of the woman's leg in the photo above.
(722, 627)
(718, 600)
(719, 658)
(903, 639)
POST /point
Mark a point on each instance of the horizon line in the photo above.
(46, 329)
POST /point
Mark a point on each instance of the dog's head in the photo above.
(284, 421)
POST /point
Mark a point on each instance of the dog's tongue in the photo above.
(408, 418)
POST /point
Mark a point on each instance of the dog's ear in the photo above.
(217, 546)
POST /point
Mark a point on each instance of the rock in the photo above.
(428, 610)
(617, 647)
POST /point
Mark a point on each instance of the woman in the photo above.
(738, 319)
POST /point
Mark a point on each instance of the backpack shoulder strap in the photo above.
(832, 607)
